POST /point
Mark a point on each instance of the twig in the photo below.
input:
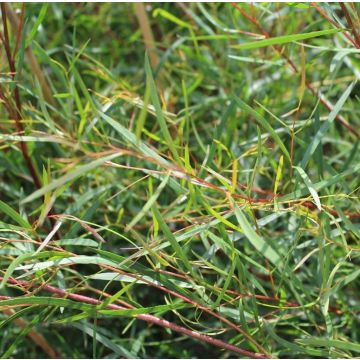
(325, 16)
(16, 113)
(147, 33)
(192, 302)
(356, 15)
(19, 29)
(149, 40)
(351, 24)
(145, 317)
(49, 237)
(179, 173)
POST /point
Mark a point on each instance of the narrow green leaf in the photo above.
(46, 301)
(321, 184)
(18, 340)
(143, 113)
(70, 260)
(258, 242)
(219, 130)
(37, 23)
(294, 348)
(219, 217)
(104, 340)
(16, 315)
(309, 185)
(131, 138)
(265, 124)
(278, 179)
(144, 310)
(13, 266)
(77, 242)
(165, 14)
(325, 127)
(75, 59)
(152, 199)
(55, 184)
(328, 343)
(326, 293)
(284, 39)
(171, 238)
(14, 215)
(159, 114)
(226, 283)
(348, 224)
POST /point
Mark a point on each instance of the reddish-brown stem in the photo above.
(351, 24)
(189, 301)
(16, 113)
(19, 31)
(325, 16)
(356, 15)
(6, 32)
(180, 173)
(145, 317)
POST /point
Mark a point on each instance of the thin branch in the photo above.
(181, 174)
(321, 11)
(351, 24)
(192, 302)
(15, 112)
(357, 20)
(20, 27)
(145, 317)
(5, 37)
(147, 33)
(149, 40)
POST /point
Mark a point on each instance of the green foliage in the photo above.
(204, 184)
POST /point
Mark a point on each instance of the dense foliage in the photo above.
(179, 180)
